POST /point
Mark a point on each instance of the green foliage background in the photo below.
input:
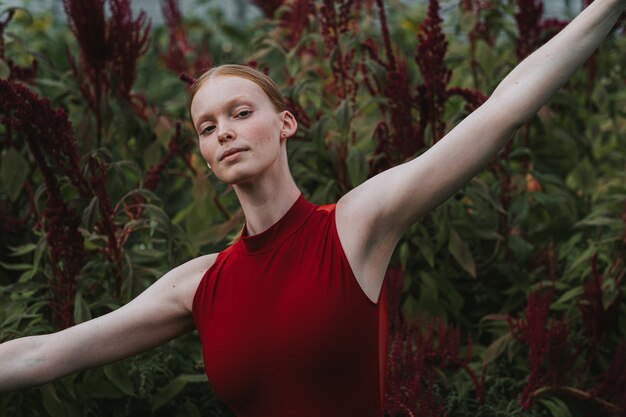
(535, 219)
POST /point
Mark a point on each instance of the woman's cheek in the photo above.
(207, 153)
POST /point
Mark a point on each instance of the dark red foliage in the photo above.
(24, 111)
(473, 98)
(296, 19)
(87, 22)
(25, 74)
(129, 38)
(406, 137)
(480, 31)
(268, 7)
(181, 57)
(546, 339)
(395, 285)
(109, 48)
(428, 99)
(187, 79)
(334, 19)
(299, 113)
(532, 28)
(48, 131)
(431, 52)
(612, 387)
(598, 320)
(409, 136)
(420, 350)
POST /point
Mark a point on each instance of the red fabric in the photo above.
(286, 329)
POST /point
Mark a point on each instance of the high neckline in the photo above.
(279, 231)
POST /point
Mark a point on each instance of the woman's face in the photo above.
(240, 133)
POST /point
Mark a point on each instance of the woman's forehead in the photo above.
(221, 90)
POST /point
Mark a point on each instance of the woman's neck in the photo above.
(266, 200)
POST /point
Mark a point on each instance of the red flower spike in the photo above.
(532, 29)
(430, 56)
(612, 387)
(597, 320)
(546, 340)
(34, 117)
(419, 351)
(179, 50)
(109, 49)
(128, 39)
(187, 79)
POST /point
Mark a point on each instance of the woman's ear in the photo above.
(289, 125)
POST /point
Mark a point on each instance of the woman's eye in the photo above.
(244, 113)
(207, 130)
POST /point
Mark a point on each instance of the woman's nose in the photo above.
(225, 133)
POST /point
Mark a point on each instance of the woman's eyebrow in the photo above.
(227, 106)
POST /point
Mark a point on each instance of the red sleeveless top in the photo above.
(286, 329)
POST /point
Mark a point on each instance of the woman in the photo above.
(289, 315)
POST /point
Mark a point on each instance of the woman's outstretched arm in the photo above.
(372, 217)
(161, 313)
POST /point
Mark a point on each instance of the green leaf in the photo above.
(429, 292)
(81, 309)
(5, 71)
(119, 376)
(569, 295)
(14, 172)
(497, 347)
(521, 247)
(556, 407)
(426, 249)
(582, 178)
(16, 267)
(22, 250)
(344, 117)
(357, 166)
(51, 402)
(96, 385)
(174, 387)
(90, 213)
(404, 254)
(152, 154)
(460, 251)
(191, 410)
(28, 275)
(599, 221)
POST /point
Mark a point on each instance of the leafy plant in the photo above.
(506, 300)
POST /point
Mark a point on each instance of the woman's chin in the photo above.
(236, 176)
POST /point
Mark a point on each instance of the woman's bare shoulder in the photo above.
(185, 278)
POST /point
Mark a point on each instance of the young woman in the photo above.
(289, 316)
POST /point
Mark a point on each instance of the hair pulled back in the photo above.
(266, 84)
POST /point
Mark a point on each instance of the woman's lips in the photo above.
(231, 153)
